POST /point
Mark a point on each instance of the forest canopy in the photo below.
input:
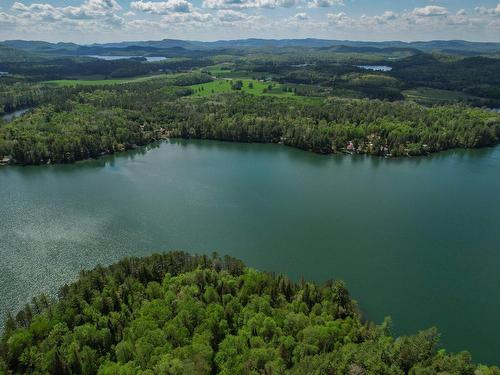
(176, 313)
(86, 122)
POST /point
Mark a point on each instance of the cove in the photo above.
(417, 239)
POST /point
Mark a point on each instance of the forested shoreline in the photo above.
(314, 95)
(96, 121)
(176, 313)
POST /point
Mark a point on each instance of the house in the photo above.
(5, 160)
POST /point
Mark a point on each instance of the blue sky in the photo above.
(88, 21)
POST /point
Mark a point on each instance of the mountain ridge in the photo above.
(424, 46)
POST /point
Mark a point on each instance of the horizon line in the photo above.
(262, 39)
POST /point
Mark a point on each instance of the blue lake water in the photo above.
(417, 239)
(378, 68)
(109, 58)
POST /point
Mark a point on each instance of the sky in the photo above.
(99, 21)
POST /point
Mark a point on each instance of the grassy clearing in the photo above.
(429, 96)
(224, 85)
(374, 80)
(99, 82)
(218, 69)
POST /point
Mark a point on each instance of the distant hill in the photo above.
(447, 46)
(37, 46)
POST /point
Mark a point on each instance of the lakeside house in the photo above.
(5, 160)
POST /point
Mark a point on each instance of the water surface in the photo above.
(417, 239)
(377, 68)
(12, 115)
(115, 57)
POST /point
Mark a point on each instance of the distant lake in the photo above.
(10, 116)
(109, 58)
(414, 238)
(378, 68)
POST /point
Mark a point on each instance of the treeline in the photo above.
(479, 76)
(333, 125)
(176, 313)
(93, 121)
(37, 69)
(322, 77)
(19, 94)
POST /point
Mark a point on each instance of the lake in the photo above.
(417, 239)
(377, 68)
(12, 115)
(109, 58)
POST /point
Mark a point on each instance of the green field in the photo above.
(99, 82)
(429, 96)
(224, 85)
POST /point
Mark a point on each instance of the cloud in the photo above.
(198, 20)
(301, 17)
(324, 3)
(228, 15)
(90, 9)
(91, 14)
(386, 18)
(430, 11)
(488, 11)
(7, 18)
(388, 15)
(183, 18)
(248, 17)
(340, 19)
(460, 18)
(162, 7)
(431, 19)
(249, 4)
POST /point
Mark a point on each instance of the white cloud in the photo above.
(388, 15)
(89, 10)
(7, 18)
(488, 11)
(430, 11)
(301, 17)
(340, 19)
(94, 9)
(183, 18)
(431, 19)
(141, 24)
(383, 19)
(228, 15)
(249, 4)
(324, 3)
(249, 18)
(90, 15)
(460, 18)
(162, 7)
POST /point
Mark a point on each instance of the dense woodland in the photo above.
(94, 121)
(176, 313)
